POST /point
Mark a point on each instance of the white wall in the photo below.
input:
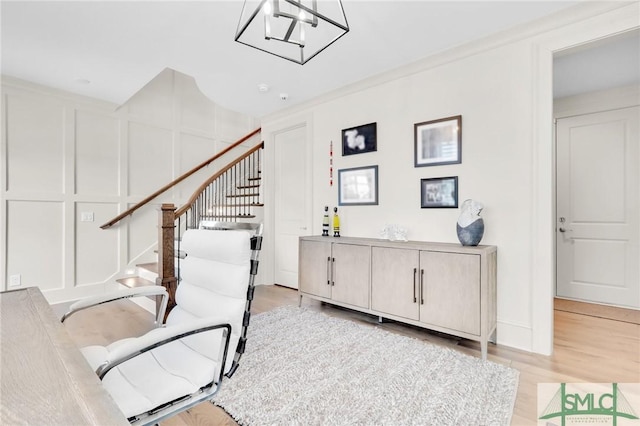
(64, 155)
(502, 88)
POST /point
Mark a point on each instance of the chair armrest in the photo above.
(161, 336)
(121, 294)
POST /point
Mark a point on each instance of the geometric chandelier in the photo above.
(296, 30)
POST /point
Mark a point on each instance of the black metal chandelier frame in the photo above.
(307, 15)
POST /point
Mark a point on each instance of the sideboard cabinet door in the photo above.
(351, 268)
(315, 268)
(451, 290)
(394, 281)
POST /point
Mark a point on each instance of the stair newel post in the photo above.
(166, 266)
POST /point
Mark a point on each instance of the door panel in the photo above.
(598, 217)
(291, 202)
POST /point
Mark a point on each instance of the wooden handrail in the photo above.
(178, 180)
(202, 187)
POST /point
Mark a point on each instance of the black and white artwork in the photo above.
(358, 140)
(439, 192)
(358, 186)
(438, 142)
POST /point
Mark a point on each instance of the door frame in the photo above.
(614, 20)
(270, 130)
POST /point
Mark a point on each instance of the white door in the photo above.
(597, 223)
(292, 199)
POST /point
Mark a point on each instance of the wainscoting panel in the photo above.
(35, 152)
(143, 234)
(196, 110)
(97, 154)
(194, 150)
(97, 258)
(36, 243)
(150, 159)
(227, 123)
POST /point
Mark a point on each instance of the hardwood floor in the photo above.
(586, 349)
(596, 310)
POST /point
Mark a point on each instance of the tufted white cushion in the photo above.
(214, 282)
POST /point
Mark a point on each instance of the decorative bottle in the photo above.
(336, 223)
(325, 222)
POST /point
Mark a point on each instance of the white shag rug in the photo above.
(302, 367)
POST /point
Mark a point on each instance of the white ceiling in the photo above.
(110, 49)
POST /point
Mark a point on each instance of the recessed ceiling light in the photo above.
(263, 88)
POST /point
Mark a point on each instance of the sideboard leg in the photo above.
(483, 348)
(300, 301)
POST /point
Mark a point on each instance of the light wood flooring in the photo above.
(586, 348)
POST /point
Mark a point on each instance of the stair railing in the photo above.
(228, 196)
(170, 185)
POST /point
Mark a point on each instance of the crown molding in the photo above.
(571, 15)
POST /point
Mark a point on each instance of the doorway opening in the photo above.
(597, 156)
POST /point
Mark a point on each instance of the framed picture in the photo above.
(358, 140)
(358, 186)
(439, 192)
(438, 142)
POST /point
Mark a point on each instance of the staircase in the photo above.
(231, 195)
(147, 275)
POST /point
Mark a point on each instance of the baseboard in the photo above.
(597, 310)
(514, 335)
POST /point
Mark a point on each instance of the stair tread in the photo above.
(133, 282)
(153, 266)
(253, 194)
(240, 205)
(221, 216)
(247, 186)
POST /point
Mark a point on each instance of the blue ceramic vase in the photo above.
(470, 226)
(471, 235)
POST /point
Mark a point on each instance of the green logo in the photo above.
(566, 404)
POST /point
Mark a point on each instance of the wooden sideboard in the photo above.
(444, 287)
(45, 380)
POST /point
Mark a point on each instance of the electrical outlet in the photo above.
(15, 280)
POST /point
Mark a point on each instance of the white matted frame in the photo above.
(438, 142)
(358, 186)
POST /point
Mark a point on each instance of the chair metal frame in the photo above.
(173, 333)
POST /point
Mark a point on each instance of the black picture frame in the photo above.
(438, 142)
(359, 139)
(440, 193)
(358, 186)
